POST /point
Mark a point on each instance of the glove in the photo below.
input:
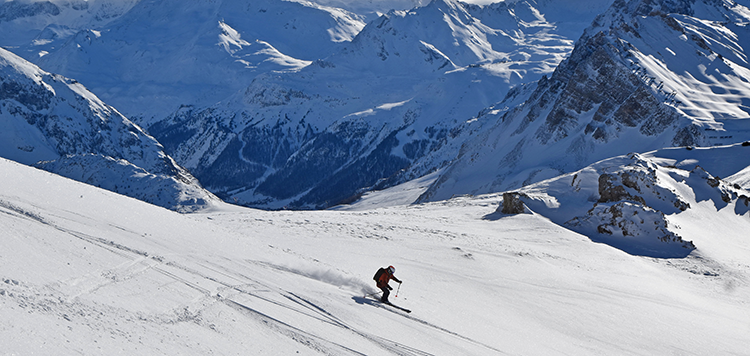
(399, 282)
(390, 288)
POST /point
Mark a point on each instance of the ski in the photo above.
(388, 303)
(397, 307)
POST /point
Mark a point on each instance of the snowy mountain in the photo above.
(58, 125)
(644, 204)
(299, 104)
(322, 134)
(645, 75)
(393, 91)
(85, 271)
(160, 55)
(47, 24)
(582, 247)
(371, 10)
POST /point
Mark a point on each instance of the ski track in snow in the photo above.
(227, 288)
(86, 272)
(232, 283)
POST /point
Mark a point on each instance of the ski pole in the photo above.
(399, 288)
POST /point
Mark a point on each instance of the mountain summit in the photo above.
(645, 75)
(163, 54)
(321, 135)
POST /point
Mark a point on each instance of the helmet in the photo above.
(391, 269)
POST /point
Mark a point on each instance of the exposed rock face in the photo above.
(400, 90)
(512, 203)
(636, 181)
(627, 220)
(596, 78)
(11, 10)
(619, 91)
(623, 209)
(609, 191)
(745, 200)
(635, 202)
(632, 203)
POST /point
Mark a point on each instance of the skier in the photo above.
(382, 277)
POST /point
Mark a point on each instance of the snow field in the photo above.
(87, 271)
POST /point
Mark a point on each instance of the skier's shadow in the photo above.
(366, 301)
(378, 304)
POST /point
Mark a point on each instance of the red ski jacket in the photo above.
(385, 278)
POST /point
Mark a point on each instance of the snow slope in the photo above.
(262, 93)
(47, 24)
(357, 119)
(57, 124)
(642, 203)
(85, 271)
(645, 75)
(721, 161)
(164, 54)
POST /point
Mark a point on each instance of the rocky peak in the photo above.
(452, 8)
(624, 14)
(11, 10)
(633, 83)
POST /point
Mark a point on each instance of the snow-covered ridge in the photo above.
(50, 23)
(441, 63)
(364, 116)
(50, 118)
(638, 202)
(620, 91)
(163, 54)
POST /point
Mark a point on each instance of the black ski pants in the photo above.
(386, 293)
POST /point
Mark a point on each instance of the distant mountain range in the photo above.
(319, 136)
(286, 104)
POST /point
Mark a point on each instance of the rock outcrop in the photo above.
(512, 203)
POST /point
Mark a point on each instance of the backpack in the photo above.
(379, 273)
